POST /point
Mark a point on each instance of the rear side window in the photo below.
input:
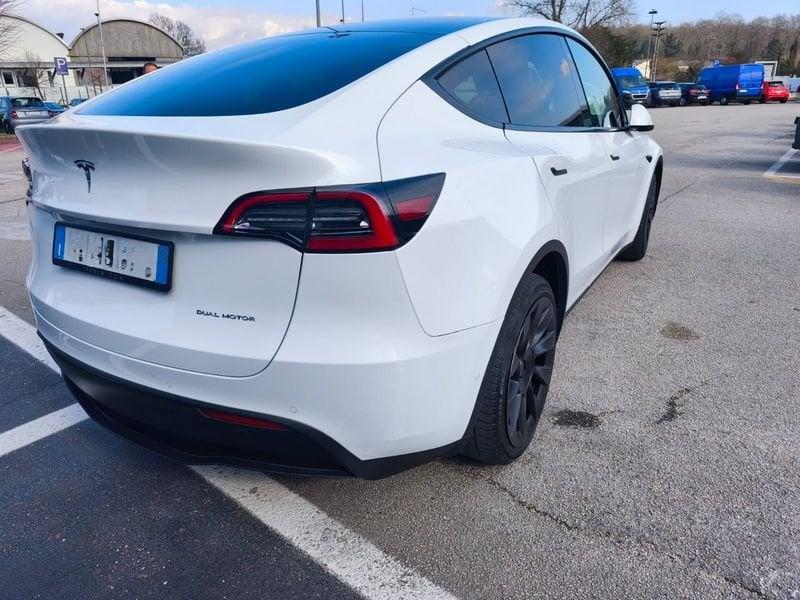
(472, 84)
(264, 76)
(599, 91)
(538, 80)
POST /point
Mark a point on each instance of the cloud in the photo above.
(218, 26)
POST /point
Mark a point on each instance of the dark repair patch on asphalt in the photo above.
(676, 331)
(576, 418)
(673, 404)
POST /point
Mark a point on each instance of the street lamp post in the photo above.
(657, 33)
(102, 43)
(319, 16)
(653, 12)
(342, 11)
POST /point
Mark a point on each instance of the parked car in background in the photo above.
(360, 314)
(693, 93)
(632, 85)
(732, 83)
(76, 101)
(21, 110)
(664, 93)
(54, 108)
(772, 91)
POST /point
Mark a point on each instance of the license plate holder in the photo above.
(132, 259)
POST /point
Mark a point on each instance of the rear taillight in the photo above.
(360, 218)
(14, 114)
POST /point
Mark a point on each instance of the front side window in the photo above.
(538, 80)
(471, 82)
(598, 88)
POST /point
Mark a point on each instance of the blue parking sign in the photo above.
(62, 68)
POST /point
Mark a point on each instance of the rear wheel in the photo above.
(514, 388)
(723, 101)
(745, 102)
(637, 249)
(682, 101)
(783, 100)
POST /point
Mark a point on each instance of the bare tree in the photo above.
(583, 15)
(191, 44)
(8, 27)
(33, 71)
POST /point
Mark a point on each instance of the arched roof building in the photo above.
(27, 61)
(129, 44)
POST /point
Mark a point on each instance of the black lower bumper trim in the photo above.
(173, 426)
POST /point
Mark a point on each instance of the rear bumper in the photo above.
(174, 426)
(20, 122)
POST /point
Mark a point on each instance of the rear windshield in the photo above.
(775, 84)
(264, 76)
(26, 102)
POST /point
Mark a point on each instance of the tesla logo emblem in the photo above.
(87, 167)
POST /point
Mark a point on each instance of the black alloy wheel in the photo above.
(530, 371)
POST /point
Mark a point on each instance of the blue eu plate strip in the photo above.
(60, 242)
(162, 264)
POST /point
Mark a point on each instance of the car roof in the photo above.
(431, 25)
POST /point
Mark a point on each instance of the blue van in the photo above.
(730, 83)
(632, 86)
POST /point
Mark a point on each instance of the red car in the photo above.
(774, 90)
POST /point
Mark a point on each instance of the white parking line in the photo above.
(340, 551)
(22, 334)
(343, 553)
(13, 148)
(40, 428)
(773, 170)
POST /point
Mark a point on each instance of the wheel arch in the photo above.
(658, 172)
(552, 263)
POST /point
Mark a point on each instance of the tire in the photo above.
(637, 249)
(517, 378)
(746, 102)
(723, 101)
(783, 101)
(682, 101)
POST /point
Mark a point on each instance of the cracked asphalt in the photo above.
(667, 463)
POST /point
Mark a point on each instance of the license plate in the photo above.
(35, 113)
(135, 260)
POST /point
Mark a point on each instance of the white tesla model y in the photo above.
(345, 250)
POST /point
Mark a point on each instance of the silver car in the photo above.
(21, 110)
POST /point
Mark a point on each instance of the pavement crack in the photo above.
(744, 586)
(526, 504)
(680, 191)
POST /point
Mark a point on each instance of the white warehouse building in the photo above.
(27, 58)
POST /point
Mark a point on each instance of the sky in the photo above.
(224, 23)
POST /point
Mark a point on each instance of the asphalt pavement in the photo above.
(667, 463)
